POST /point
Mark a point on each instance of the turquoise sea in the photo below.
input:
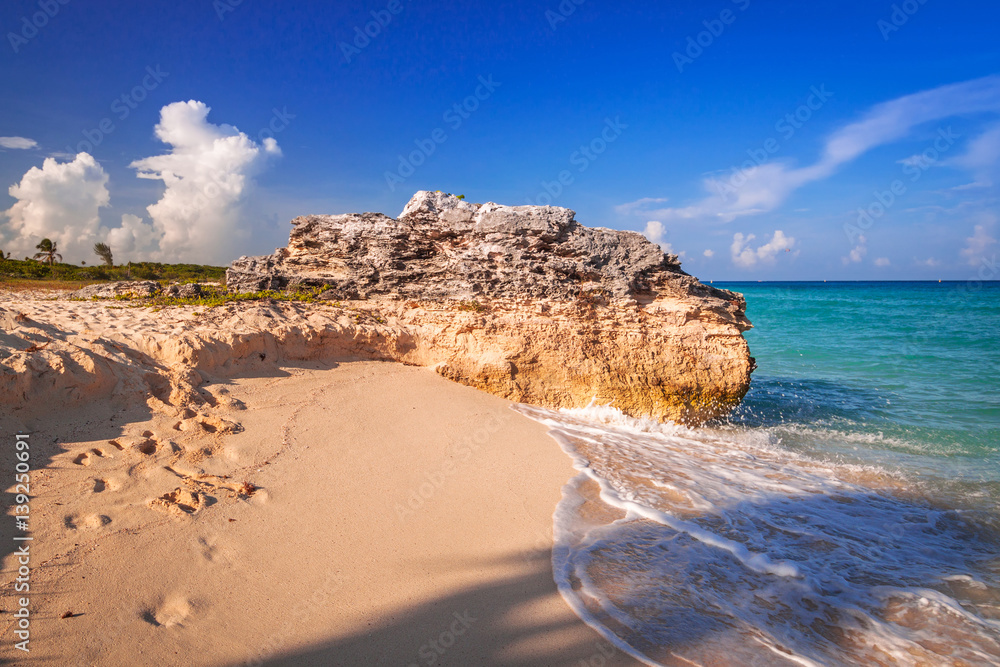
(847, 513)
(905, 375)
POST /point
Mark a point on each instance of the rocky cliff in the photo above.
(526, 303)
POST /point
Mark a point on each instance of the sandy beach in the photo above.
(397, 518)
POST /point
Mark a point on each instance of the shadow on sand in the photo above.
(520, 620)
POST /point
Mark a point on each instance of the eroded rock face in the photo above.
(526, 303)
(132, 289)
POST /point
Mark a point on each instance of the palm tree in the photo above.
(103, 250)
(47, 252)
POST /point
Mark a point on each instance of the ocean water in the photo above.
(847, 513)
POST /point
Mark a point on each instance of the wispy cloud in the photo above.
(17, 143)
(768, 186)
(982, 157)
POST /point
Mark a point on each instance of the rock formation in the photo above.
(526, 303)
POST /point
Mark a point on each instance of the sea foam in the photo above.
(719, 546)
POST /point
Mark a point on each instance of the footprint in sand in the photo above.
(143, 444)
(171, 612)
(192, 421)
(89, 522)
(99, 485)
(87, 458)
(179, 502)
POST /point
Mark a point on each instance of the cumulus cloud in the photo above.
(883, 262)
(208, 175)
(979, 245)
(858, 252)
(655, 231)
(930, 262)
(60, 201)
(134, 240)
(709, 253)
(745, 256)
(17, 143)
(765, 187)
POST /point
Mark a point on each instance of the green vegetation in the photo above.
(472, 306)
(72, 276)
(213, 297)
(47, 252)
(103, 250)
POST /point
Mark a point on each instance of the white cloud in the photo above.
(745, 256)
(858, 252)
(982, 157)
(17, 143)
(919, 161)
(655, 231)
(978, 245)
(133, 241)
(709, 253)
(764, 188)
(882, 262)
(636, 206)
(208, 175)
(930, 262)
(59, 201)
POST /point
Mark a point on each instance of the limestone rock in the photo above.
(526, 303)
(185, 291)
(132, 289)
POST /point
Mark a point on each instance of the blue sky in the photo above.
(106, 134)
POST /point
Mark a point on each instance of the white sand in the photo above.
(400, 519)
